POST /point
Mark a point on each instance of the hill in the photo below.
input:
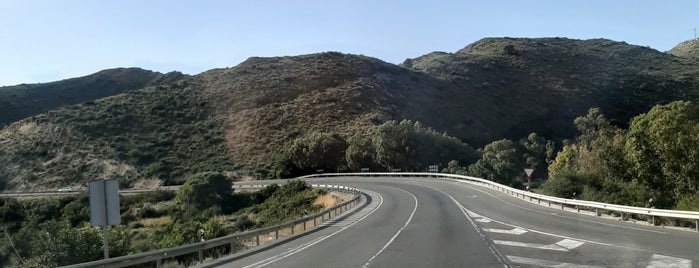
(243, 119)
(688, 49)
(21, 101)
(541, 85)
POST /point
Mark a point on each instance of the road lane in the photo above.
(435, 233)
(454, 223)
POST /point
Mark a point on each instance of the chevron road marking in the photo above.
(668, 262)
(563, 245)
(515, 231)
(547, 263)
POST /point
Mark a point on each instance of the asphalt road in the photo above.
(436, 223)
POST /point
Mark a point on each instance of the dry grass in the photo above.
(152, 222)
(331, 199)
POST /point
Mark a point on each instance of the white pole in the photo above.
(106, 244)
(104, 227)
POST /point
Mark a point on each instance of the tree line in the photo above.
(654, 162)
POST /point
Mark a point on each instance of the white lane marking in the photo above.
(547, 263)
(397, 233)
(515, 231)
(662, 261)
(570, 244)
(468, 185)
(300, 248)
(482, 220)
(466, 213)
(563, 245)
(559, 236)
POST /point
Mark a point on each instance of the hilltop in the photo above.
(21, 101)
(540, 85)
(242, 120)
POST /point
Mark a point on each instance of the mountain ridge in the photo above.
(242, 119)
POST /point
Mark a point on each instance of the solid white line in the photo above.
(662, 261)
(397, 233)
(546, 263)
(300, 248)
(515, 231)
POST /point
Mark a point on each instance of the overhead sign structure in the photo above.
(104, 207)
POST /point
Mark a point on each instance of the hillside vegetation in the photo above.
(21, 101)
(265, 115)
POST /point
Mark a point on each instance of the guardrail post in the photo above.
(257, 240)
(276, 234)
(292, 228)
(652, 220)
(577, 207)
(201, 255)
(304, 225)
(597, 212)
(562, 206)
(158, 262)
(696, 225)
(622, 215)
(549, 203)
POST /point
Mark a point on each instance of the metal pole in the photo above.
(104, 239)
(104, 228)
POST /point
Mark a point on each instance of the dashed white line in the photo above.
(397, 233)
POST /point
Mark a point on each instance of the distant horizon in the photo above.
(44, 41)
(215, 67)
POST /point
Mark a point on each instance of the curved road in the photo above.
(414, 222)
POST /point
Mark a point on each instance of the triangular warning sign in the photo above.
(529, 171)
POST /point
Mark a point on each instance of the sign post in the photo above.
(529, 172)
(104, 207)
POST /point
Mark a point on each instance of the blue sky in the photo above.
(43, 41)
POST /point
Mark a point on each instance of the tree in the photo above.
(361, 152)
(203, 191)
(662, 147)
(396, 145)
(499, 162)
(318, 150)
(453, 167)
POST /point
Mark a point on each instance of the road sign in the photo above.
(433, 168)
(529, 171)
(104, 207)
(104, 203)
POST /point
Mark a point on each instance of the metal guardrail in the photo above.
(578, 204)
(158, 256)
